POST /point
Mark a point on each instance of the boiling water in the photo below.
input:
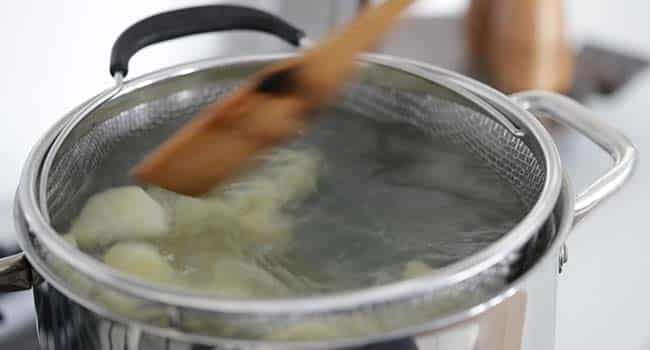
(387, 194)
(390, 194)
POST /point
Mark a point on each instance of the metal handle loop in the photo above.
(15, 273)
(570, 113)
(195, 20)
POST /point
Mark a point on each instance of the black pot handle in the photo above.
(195, 20)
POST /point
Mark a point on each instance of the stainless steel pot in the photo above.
(82, 304)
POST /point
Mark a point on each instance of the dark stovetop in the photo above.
(17, 326)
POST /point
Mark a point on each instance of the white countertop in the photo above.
(604, 292)
(603, 300)
(59, 57)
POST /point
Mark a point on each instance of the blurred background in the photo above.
(55, 55)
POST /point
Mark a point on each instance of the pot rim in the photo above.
(38, 223)
(564, 223)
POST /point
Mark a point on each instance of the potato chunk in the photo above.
(141, 260)
(119, 214)
(416, 268)
(240, 279)
(70, 238)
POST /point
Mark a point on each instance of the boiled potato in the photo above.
(119, 214)
(203, 243)
(286, 176)
(70, 238)
(294, 173)
(416, 268)
(265, 227)
(252, 195)
(166, 199)
(250, 210)
(78, 281)
(118, 303)
(193, 216)
(240, 279)
(141, 260)
(131, 308)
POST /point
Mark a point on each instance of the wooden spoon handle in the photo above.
(326, 66)
(227, 135)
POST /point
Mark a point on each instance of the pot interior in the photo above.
(410, 173)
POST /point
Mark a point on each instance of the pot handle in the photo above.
(15, 273)
(194, 20)
(570, 113)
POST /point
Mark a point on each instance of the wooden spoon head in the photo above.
(207, 152)
(227, 136)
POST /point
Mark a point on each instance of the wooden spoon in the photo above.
(271, 109)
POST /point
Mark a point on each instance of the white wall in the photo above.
(55, 54)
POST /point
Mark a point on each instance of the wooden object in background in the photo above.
(522, 43)
(362, 5)
(476, 28)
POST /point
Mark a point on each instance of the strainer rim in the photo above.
(446, 276)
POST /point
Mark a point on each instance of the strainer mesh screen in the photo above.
(410, 174)
(87, 164)
(504, 153)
